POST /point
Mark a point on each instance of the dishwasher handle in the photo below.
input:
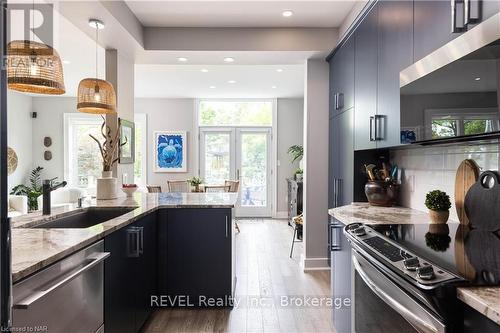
(38, 295)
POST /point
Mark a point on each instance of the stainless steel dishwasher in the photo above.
(65, 297)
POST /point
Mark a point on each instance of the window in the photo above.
(457, 122)
(82, 161)
(235, 113)
(81, 167)
(140, 169)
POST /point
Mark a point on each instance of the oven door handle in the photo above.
(39, 294)
(419, 324)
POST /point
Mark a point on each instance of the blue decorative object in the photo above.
(170, 152)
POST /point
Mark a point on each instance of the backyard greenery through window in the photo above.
(235, 113)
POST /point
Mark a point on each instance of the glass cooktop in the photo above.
(471, 254)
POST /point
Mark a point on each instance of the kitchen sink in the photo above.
(86, 218)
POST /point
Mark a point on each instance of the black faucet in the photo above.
(47, 187)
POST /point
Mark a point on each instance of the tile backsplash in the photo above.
(430, 168)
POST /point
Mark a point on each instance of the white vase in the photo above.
(106, 186)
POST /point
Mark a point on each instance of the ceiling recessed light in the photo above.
(231, 81)
(477, 78)
(279, 70)
(182, 59)
(287, 13)
(66, 62)
(228, 59)
(204, 70)
(274, 87)
(212, 87)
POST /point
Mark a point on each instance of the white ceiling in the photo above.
(237, 13)
(188, 81)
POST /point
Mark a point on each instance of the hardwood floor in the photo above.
(266, 276)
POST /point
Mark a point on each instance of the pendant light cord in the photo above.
(96, 57)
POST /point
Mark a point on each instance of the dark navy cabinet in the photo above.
(342, 79)
(196, 254)
(395, 52)
(130, 275)
(432, 26)
(365, 80)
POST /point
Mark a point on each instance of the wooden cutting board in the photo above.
(467, 175)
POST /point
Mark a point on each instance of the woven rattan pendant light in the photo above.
(34, 67)
(94, 95)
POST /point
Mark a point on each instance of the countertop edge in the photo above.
(473, 298)
(87, 240)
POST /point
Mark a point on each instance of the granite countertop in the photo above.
(364, 213)
(486, 300)
(34, 249)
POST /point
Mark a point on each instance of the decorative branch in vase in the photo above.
(109, 147)
(106, 186)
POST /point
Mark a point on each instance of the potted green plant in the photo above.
(299, 173)
(195, 182)
(33, 190)
(296, 152)
(438, 203)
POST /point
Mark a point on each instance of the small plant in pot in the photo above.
(299, 174)
(438, 203)
(195, 182)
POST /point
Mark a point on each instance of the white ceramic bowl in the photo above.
(129, 191)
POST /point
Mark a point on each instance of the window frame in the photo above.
(69, 140)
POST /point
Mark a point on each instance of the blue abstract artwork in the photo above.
(170, 152)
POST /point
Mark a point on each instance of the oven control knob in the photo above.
(360, 231)
(412, 263)
(425, 272)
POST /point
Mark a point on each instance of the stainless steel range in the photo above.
(405, 276)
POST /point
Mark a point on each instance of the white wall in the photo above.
(19, 134)
(290, 132)
(49, 122)
(169, 115)
(316, 164)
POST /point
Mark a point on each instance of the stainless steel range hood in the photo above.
(453, 94)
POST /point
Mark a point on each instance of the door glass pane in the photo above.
(254, 169)
(217, 159)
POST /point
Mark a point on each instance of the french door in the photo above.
(242, 153)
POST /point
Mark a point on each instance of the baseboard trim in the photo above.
(281, 215)
(315, 264)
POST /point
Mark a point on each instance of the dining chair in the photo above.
(233, 186)
(153, 188)
(216, 188)
(178, 186)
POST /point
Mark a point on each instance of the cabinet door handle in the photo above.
(141, 240)
(378, 125)
(227, 228)
(336, 101)
(372, 118)
(454, 16)
(340, 101)
(471, 15)
(133, 242)
(335, 233)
